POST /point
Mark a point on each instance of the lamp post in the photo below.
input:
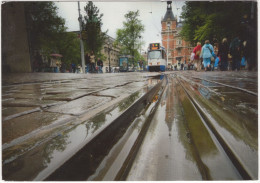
(168, 26)
(109, 49)
(81, 42)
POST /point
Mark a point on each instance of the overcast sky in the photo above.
(151, 14)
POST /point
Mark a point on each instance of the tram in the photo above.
(156, 58)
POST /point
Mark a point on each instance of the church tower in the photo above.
(178, 50)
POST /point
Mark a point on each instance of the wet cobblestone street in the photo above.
(48, 118)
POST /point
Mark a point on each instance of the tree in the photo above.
(128, 36)
(214, 20)
(92, 23)
(47, 32)
(43, 24)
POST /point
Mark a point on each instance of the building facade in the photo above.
(111, 53)
(178, 50)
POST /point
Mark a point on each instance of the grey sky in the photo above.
(151, 14)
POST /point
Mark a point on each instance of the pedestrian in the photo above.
(73, 67)
(207, 52)
(248, 54)
(215, 59)
(223, 54)
(92, 62)
(182, 65)
(87, 60)
(235, 51)
(63, 67)
(197, 60)
(100, 65)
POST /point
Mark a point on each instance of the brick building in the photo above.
(179, 50)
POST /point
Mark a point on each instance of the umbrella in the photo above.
(56, 55)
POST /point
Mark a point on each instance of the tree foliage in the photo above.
(43, 23)
(129, 36)
(47, 32)
(92, 24)
(214, 20)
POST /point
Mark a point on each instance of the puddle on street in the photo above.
(235, 115)
(20, 126)
(60, 148)
(178, 146)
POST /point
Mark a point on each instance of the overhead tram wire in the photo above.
(158, 30)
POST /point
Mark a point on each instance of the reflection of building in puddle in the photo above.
(169, 116)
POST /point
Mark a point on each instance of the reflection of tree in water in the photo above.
(96, 122)
(126, 103)
(58, 143)
(192, 133)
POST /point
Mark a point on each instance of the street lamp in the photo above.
(81, 42)
(168, 25)
(109, 49)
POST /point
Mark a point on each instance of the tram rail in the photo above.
(208, 122)
(213, 121)
(230, 86)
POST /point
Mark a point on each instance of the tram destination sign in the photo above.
(154, 46)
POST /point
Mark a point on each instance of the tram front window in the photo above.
(154, 54)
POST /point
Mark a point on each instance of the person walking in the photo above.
(207, 52)
(100, 65)
(87, 59)
(73, 67)
(182, 66)
(248, 54)
(235, 51)
(197, 60)
(223, 54)
(92, 62)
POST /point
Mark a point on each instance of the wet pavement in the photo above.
(37, 109)
(220, 144)
(204, 126)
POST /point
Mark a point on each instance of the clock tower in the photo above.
(178, 49)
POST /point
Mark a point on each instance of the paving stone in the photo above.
(20, 126)
(80, 106)
(12, 112)
(67, 96)
(30, 103)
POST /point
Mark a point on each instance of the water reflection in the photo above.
(125, 104)
(203, 90)
(45, 157)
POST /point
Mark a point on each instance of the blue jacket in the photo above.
(205, 51)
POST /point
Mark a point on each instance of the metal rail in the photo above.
(230, 86)
(234, 159)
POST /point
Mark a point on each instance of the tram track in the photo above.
(230, 86)
(208, 122)
(202, 144)
(95, 160)
(172, 132)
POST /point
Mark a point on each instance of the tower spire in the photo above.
(169, 14)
